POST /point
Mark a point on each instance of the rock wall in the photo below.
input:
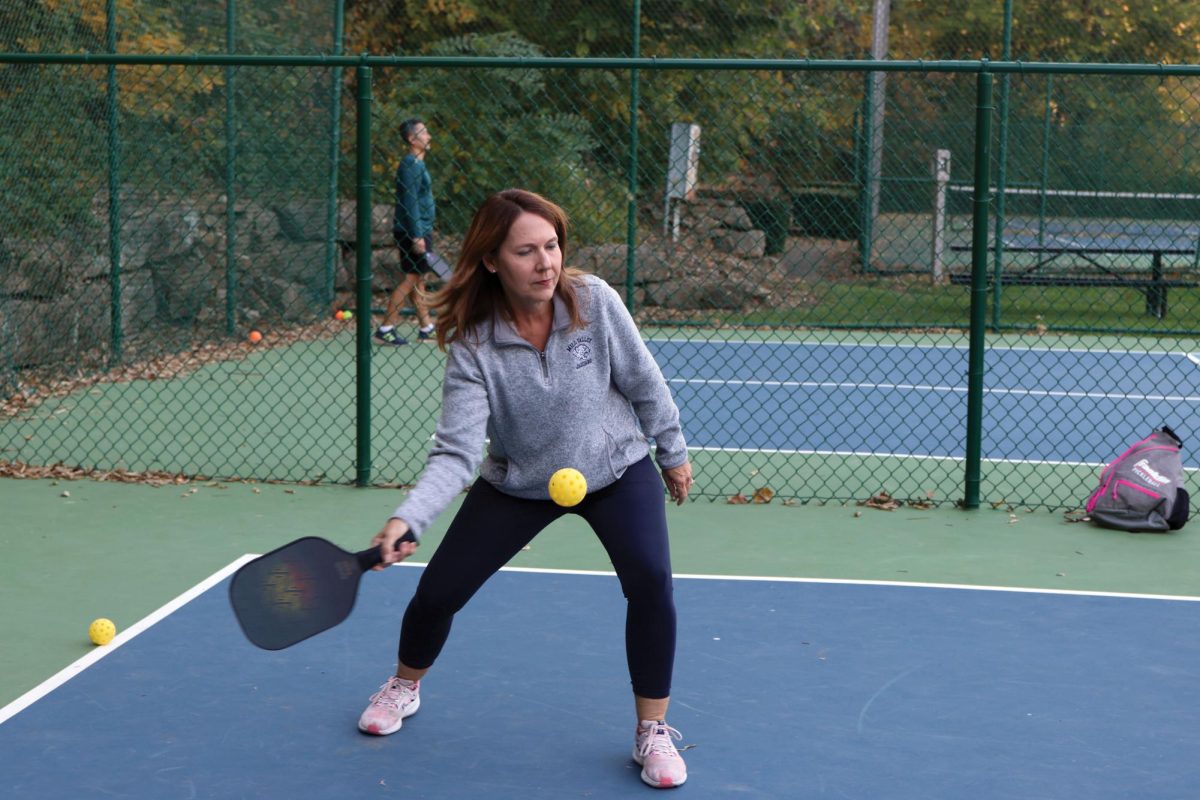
(56, 293)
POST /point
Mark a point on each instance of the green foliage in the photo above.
(54, 159)
(828, 213)
(497, 129)
(771, 215)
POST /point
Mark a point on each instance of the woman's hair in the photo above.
(408, 126)
(473, 293)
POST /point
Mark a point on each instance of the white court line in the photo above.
(852, 582)
(1090, 349)
(69, 672)
(97, 653)
(904, 455)
(916, 387)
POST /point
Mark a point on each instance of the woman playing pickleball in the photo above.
(546, 366)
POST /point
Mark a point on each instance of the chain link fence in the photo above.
(798, 248)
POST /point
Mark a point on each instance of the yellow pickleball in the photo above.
(102, 631)
(567, 487)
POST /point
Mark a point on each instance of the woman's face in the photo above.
(528, 262)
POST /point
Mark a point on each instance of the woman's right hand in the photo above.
(387, 538)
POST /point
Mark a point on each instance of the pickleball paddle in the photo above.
(298, 590)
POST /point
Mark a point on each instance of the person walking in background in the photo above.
(545, 368)
(413, 228)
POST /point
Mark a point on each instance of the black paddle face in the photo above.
(297, 591)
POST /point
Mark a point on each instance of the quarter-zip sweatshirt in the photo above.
(591, 400)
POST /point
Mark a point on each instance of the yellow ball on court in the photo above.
(102, 631)
(567, 487)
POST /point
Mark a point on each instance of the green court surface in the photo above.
(77, 550)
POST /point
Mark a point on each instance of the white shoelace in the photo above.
(658, 740)
(390, 693)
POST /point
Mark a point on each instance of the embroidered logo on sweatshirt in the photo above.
(581, 348)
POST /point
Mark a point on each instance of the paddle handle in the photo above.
(373, 556)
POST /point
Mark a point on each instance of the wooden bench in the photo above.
(1155, 290)
(1153, 283)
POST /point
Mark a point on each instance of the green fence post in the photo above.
(979, 260)
(363, 278)
(335, 139)
(116, 320)
(866, 221)
(1044, 172)
(1001, 173)
(231, 276)
(631, 203)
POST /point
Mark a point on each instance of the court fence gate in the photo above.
(973, 307)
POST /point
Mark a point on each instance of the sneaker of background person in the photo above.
(395, 700)
(389, 336)
(654, 750)
(425, 334)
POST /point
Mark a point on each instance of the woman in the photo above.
(546, 365)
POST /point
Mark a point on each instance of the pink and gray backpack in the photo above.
(1143, 489)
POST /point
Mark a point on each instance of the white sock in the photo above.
(428, 328)
(385, 328)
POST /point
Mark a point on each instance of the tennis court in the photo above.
(853, 399)
(785, 411)
(785, 688)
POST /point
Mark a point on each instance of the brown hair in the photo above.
(473, 293)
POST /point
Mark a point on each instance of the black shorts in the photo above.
(412, 263)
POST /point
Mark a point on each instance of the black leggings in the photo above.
(628, 516)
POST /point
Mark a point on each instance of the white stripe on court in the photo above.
(64, 675)
(916, 387)
(906, 456)
(853, 582)
(97, 653)
(873, 345)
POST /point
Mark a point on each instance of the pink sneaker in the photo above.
(662, 766)
(394, 701)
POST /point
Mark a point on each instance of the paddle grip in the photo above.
(373, 556)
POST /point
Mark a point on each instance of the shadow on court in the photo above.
(784, 689)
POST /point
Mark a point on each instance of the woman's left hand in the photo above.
(679, 481)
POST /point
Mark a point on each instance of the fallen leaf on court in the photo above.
(788, 501)
(738, 500)
(59, 470)
(763, 495)
(1076, 515)
(1013, 519)
(921, 504)
(881, 500)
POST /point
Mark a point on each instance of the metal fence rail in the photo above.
(845, 303)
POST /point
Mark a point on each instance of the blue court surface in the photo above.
(784, 689)
(911, 400)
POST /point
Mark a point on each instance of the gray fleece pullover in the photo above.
(589, 401)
